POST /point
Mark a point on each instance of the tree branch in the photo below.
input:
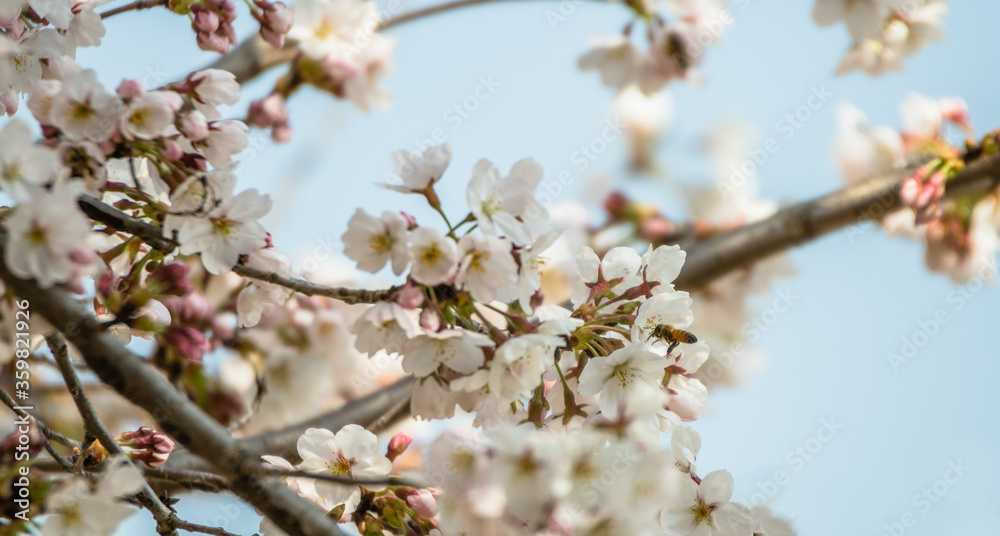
(176, 415)
(134, 6)
(153, 236)
(165, 521)
(804, 222)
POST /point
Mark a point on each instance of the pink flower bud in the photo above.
(423, 503)
(9, 100)
(172, 279)
(411, 222)
(130, 89)
(149, 446)
(191, 309)
(188, 342)
(398, 445)
(430, 320)
(205, 20)
(212, 42)
(410, 296)
(171, 151)
(194, 125)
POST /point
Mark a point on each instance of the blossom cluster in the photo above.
(884, 32)
(960, 235)
(676, 44)
(472, 325)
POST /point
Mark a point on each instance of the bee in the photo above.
(672, 336)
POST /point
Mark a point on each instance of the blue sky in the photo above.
(834, 436)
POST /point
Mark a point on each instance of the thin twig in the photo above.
(134, 6)
(346, 480)
(165, 519)
(194, 527)
(153, 236)
(195, 480)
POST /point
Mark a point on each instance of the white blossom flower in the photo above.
(83, 109)
(20, 65)
(619, 262)
(418, 173)
(212, 88)
(618, 61)
(529, 277)
(508, 207)
(487, 265)
(59, 13)
(225, 139)
(872, 56)
(384, 326)
(82, 511)
(672, 309)
(150, 115)
(616, 375)
(225, 233)
(87, 27)
(518, 364)
(765, 523)
(25, 166)
(434, 256)
(352, 452)
(43, 234)
(374, 62)
(864, 149)
(685, 444)
(372, 242)
(704, 509)
(863, 17)
(257, 294)
(458, 349)
(920, 23)
(334, 28)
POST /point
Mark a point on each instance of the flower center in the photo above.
(431, 255)
(222, 226)
(37, 235)
(478, 259)
(702, 512)
(625, 374)
(139, 116)
(82, 111)
(341, 466)
(380, 242)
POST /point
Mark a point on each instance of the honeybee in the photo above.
(672, 336)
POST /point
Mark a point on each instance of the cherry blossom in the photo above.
(435, 257)
(457, 349)
(384, 326)
(83, 109)
(81, 510)
(507, 207)
(418, 173)
(226, 232)
(24, 166)
(373, 242)
(618, 374)
(351, 452)
(487, 265)
(704, 509)
(43, 235)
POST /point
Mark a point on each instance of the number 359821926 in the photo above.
(22, 344)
